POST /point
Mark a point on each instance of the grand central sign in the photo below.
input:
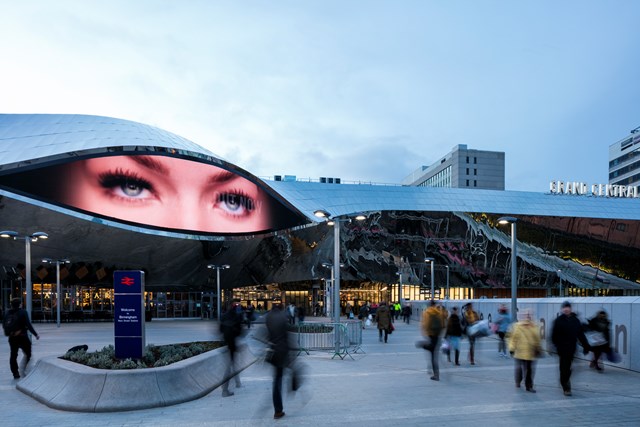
(597, 190)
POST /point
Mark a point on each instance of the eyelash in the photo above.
(246, 202)
(120, 179)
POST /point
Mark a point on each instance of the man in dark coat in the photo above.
(566, 332)
(18, 338)
(231, 327)
(276, 322)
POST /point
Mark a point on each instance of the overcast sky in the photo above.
(361, 90)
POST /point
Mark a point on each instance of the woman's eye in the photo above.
(236, 203)
(132, 189)
(127, 186)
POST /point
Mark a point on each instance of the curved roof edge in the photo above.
(348, 199)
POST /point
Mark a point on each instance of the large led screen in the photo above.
(160, 192)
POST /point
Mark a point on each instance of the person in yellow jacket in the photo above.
(470, 317)
(524, 345)
(432, 325)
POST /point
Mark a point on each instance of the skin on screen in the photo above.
(166, 192)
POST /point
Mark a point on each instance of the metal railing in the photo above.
(343, 338)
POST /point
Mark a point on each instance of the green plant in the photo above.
(153, 356)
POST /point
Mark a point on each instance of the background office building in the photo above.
(462, 168)
(624, 160)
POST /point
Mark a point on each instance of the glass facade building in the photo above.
(568, 244)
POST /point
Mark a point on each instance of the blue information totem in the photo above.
(128, 317)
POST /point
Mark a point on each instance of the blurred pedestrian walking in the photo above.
(470, 318)
(279, 354)
(454, 334)
(432, 325)
(565, 334)
(502, 322)
(16, 325)
(600, 324)
(231, 328)
(383, 318)
(406, 313)
(524, 345)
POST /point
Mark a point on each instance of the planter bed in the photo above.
(70, 386)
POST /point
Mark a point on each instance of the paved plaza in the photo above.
(387, 385)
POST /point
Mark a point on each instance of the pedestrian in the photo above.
(406, 313)
(251, 314)
(600, 323)
(279, 356)
(503, 322)
(349, 311)
(432, 325)
(383, 318)
(397, 310)
(454, 334)
(364, 315)
(231, 328)
(524, 345)
(291, 314)
(301, 313)
(565, 334)
(16, 325)
(471, 317)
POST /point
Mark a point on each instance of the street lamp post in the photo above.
(58, 299)
(328, 293)
(27, 244)
(431, 262)
(399, 287)
(336, 263)
(218, 268)
(514, 257)
(447, 295)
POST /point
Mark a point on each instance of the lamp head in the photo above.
(507, 220)
(7, 233)
(321, 213)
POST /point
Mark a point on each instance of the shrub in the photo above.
(153, 356)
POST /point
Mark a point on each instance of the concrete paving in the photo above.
(387, 385)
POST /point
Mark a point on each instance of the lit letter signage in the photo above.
(597, 190)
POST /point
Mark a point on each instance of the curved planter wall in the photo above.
(71, 386)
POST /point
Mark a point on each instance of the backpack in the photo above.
(436, 322)
(11, 324)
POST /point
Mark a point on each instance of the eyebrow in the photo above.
(222, 177)
(151, 163)
(216, 178)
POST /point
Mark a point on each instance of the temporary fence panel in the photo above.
(342, 337)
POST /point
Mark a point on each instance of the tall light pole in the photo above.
(336, 263)
(431, 262)
(399, 287)
(514, 258)
(58, 299)
(27, 245)
(218, 268)
(327, 295)
(447, 295)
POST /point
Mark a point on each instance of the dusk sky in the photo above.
(361, 90)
